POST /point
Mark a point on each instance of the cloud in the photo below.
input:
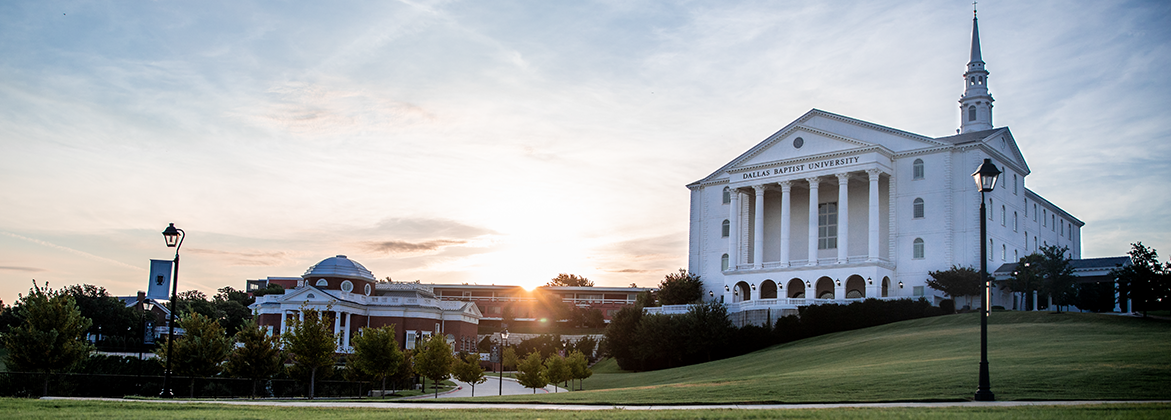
(73, 251)
(402, 247)
(28, 269)
(254, 258)
(310, 108)
(627, 271)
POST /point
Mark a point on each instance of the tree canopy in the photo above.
(680, 288)
(376, 353)
(557, 370)
(957, 282)
(468, 369)
(50, 336)
(258, 357)
(530, 372)
(1057, 275)
(1146, 281)
(310, 343)
(571, 280)
(434, 360)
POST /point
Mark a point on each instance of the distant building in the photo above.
(515, 304)
(349, 296)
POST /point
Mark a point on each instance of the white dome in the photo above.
(339, 267)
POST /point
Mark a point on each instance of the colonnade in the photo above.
(843, 221)
(339, 329)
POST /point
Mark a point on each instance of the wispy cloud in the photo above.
(73, 251)
(27, 269)
(402, 247)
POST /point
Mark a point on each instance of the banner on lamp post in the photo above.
(160, 280)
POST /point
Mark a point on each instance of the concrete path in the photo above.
(492, 387)
(582, 407)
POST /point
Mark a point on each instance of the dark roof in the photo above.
(972, 137)
(1104, 263)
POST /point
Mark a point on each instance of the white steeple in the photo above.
(976, 103)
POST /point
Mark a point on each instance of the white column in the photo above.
(813, 185)
(843, 218)
(733, 230)
(1117, 299)
(284, 320)
(346, 332)
(872, 222)
(758, 230)
(301, 316)
(337, 323)
(839, 289)
(786, 201)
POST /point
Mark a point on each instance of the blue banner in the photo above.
(160, 280)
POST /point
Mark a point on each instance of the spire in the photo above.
(976, 102)
(975, 40)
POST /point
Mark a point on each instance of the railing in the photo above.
(779, 303)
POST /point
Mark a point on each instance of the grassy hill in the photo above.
(1032, 356)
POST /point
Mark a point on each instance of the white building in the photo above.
(835, 208)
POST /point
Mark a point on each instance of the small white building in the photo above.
(831, 209)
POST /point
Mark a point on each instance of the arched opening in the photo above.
(768, 289)
(917, 208)
(917, 169)
(725, 228)
(724, 262)
(741, 292)
(727, 195)
(971, 113)
(855, 287)
(796, 288)
(885, 287)
(825, 288)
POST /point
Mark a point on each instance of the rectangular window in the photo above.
(917, 290)
(1014, 222)
(827, 226)
(1014, 185)
(1034, 212)
(410, 339)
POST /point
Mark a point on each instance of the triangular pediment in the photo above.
(1003, 143)
(823, 133)
(310, 294)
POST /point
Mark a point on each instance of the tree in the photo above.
(258, 357)
(1027, 277)
(708, 331)
(529, 372)
(376, 353)
(571, 280)
(1057, 276)
(621, 338)
(510, 359)
(195, 301)
(957, 282)
(434, 360)
(557, 370)
(50, 336)
(231, 306)
(468, 370)
(594, 318)
(579, 366)
(1145, 281)
(201, 350)
(680, 288)
(310, 343)
(646, 299)
(111, 317)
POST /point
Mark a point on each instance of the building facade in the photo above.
(350, 297)
(833, 209)
(546, 303)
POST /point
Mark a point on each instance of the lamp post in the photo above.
(985, 178)
(503, 340)
(174, 238)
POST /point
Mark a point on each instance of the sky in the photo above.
(504, 142)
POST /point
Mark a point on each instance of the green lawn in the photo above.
(1032, 356)
(62, 409)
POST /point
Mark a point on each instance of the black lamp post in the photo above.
(174, 237)
(503, 340)
(985, 178)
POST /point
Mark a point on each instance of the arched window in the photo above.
(725, 228)
(724, 262)
(1002, 215)
(321, 283)
(727, 195)
(1016, 255)
(971, 113)
(1053, 222)
(1014, 222)
(991, 247)
(917, 169)
(1014, 185)
(1003, 251)
(917, 250)
(990, 213)
(917, 208)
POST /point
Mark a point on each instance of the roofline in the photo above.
(1053, 207)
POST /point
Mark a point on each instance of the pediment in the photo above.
(1004, 143)
(798, 143)
(310, 294)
